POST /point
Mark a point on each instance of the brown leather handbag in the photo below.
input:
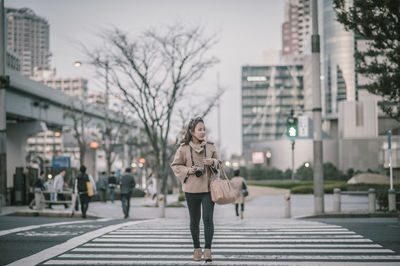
(221, 189)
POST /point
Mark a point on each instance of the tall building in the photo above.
(268, 95)
(73, 86)
(296, 27)
(340, 80)
(28, 37)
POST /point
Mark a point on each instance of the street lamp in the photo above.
(94, 144)
(77, 63)
(307, 165)
(57, 134)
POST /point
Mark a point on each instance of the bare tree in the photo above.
(153, 73)
(79, 128)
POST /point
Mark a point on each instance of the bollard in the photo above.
(38, 199)
(161, 207)
(392, 200)
(336, 200)
(287, 206)
(371, 200)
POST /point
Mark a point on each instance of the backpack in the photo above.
(82, 179)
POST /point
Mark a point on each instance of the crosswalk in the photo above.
(278, 242)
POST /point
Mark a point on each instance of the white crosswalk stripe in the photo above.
(290, 243)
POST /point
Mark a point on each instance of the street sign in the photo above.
(61, 162)
(258, 157)
(303, 126)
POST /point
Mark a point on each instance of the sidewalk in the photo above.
(262, 203)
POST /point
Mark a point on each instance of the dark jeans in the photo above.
(112, 194)
(84, 203)
(237, 208)
(125, 199)
(197, 202)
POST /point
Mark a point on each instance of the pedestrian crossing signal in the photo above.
(291, 127)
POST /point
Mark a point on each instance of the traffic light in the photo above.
(291, 127)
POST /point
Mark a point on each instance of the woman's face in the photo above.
(199, 131)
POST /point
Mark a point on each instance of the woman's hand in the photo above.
(192, 170)
(208, 161)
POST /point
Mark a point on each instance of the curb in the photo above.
(353, 215)
(47, 214)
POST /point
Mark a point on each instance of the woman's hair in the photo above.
(192, 125)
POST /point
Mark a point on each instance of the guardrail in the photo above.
(371, 193)
(40, 198)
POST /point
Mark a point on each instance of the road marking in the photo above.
(31, 227)
(235, 233)
(242, 250)
(217, 245)
(187, 240)
(230, 263)
(132, 237)
(72, 243)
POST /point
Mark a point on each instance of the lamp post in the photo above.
(317, 110)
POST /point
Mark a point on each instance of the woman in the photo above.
(194, 164)
(238, 184)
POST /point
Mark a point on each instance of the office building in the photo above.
(28, 38)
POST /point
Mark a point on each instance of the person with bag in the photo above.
(85, 190)
(240, 187)
(195, 164)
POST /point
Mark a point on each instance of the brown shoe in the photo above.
(207, 255)
(197, 254)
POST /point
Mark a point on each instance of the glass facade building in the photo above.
(268, 95)
(340, 81)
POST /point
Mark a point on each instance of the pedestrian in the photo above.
(112, 184)
(127, 182)
(59, 187)
(195, 164)
(151, 188)
(38, 188)
(49, 184)
(81, 187)
(239, 184)
(103, 184)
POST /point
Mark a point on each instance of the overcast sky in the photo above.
(246, 28)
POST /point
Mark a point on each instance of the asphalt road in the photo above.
(21, 244)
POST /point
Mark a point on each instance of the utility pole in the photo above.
(4, 83)
(317, 110)
(219, 117)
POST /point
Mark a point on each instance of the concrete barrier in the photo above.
(371, 200)
(392, 200)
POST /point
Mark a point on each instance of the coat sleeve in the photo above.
(216, 159)
(179, 164)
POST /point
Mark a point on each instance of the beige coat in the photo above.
(237, 185)
(182, 163)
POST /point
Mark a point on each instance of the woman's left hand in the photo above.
(208, 161)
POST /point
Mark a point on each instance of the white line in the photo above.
(187, 236)
(237, 245)
(236, 233)
(72, 243)
(243, 250)
(230, 263)
(238, 230)
(31, 227)
(180, 240)
(238, 227)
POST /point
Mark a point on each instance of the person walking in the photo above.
(238, 184)
(127, 182)
(59, 187)
(81, 187)
(38, 187)
(112, 184)
(103, 184)
(151, 188)
(195, 164)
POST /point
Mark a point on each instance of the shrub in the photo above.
(181, 196)
(137, 193)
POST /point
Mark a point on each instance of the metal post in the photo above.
(287, 206)
(390, 158)
(392, 200)
(336, 200)
(371, 200)
(316, 89)
(293, 142)
(3, 117)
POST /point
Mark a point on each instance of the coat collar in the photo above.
(197, 147)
